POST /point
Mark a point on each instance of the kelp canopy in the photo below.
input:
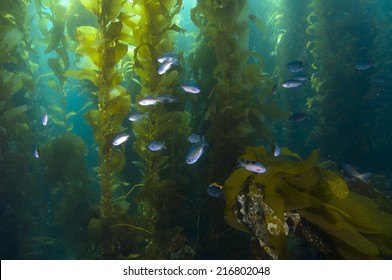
(79, 179)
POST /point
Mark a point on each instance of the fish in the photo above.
(137, 116)
(156, 146)
(167, 98)
(252, 166)
(190, 88)
(121, 138)
(148, 101)
(378, 78)
(363, 65)
(298, 117)
(164, 67)
(167, 57)
(300, 77)
(295, 66)
(351, 172)
(276, 150)
(215, 190)
(36, 152)
(194, 138)
(292, 83)
(275, 89)
(45, 119)
(195, 151)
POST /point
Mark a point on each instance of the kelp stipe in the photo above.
(335, 50)
(55, 16)
(166, 189)
(294, 192)
(236, 89)
(103, 48)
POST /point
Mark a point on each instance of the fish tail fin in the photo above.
(365, 177)
(240, 163)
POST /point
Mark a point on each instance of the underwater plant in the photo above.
(236, 91)
(55, 41)
(102, 46)
(292, 193)
(342, 90)
(166, 188)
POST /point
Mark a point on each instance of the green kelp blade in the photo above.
(336, 183)
(365, 215)
(286, 152)
(91, 5)
(332, 223)
(295, 167)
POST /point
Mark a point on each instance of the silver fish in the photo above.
(167, 98)
(137, 116)
(190, 88)
(363, 65)
(300, 77)
(298, 117)
(164, 67)
(156, 146)
(276, 150)
(167, 57)
(36, 152)
(121, 138)
(378, 78)
(194, 138)
(292, 83)
(351, 172)
(45, 119)
(295, 66)
(275, 89)
(148, 101)
(252, 166)
(195, 151)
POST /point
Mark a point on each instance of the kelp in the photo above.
(56, 42)
(262, 205)
(236, 99)
(152, 26)
(101, 51)
(334, 57)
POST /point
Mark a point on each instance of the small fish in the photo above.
(300, 77)
(167, 98)
(45, 119)
(194, 138)
(164, 67)
(276, 150)
(295, 66)
(215, 190)
(363, 65)
(292, 83)
(298, 117)
(156, 146)
(252, 166)
(148, 101)
(378, 78)
(167, 57)
(121, 138)
(351, 172)
(137, 116)
(190, 88)
(275, 89)
(195, 151)
(36, 152)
